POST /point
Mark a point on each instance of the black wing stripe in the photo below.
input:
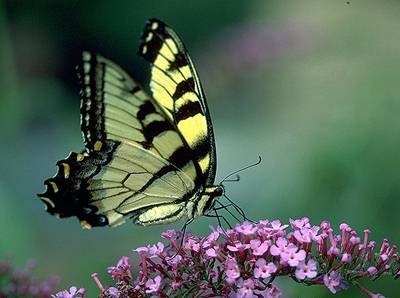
(201, 148)
(145, 109)
(184, 87)
(155, 128)
(189, 109)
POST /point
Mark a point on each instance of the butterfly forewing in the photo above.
(176, 88)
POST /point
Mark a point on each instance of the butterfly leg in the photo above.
(183, 231)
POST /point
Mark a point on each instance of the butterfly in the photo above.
(151, 159)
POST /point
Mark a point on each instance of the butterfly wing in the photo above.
(176, 88)
(135, 160)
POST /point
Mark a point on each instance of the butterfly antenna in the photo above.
(236, 179)
(240, 170)
(183, 232)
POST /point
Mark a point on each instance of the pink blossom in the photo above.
(121, 271)
(169, 234)
(73, 292)
(238, 246)
(232, 270)
(261, 249)
(192, 244)
(155, 250)
(211, 239)
(273, 292)
(372, 271)
(306, 270)
(211, 252)
(277, 227)
(300, 223)
(246, 228)
(346, 258)
(245, 289)
(292, 257)
(263, 269)
(152, 285)
(174, 262)
(279, 247)
(334, 282)
(303, 235)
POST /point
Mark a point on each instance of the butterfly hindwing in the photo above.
(144, 160)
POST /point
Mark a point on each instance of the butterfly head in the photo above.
(208, 199)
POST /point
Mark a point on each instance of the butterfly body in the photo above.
(147, 158)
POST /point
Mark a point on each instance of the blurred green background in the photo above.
(311, 86)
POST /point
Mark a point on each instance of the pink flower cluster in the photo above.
(16, 282)
(244, 262)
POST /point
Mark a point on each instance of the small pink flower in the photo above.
(169, 234)
(261, 249)
(292, 257)
(263, 223)
(153, 285)
(303, 235)
(245, 289)
(314, 233)
(238, 246)
(300, 223)
(231, 270)
(263, 269)
(246, 228)
(279, 247)
(122, 271)
(273, 292)
(211, 252)
(192, 244)
(155, 250)
(334, 282)
(278, 228)
(346, 258)
(174, 262)
(308, 270)
(72, 293)
(211, 239)
(141, 250)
